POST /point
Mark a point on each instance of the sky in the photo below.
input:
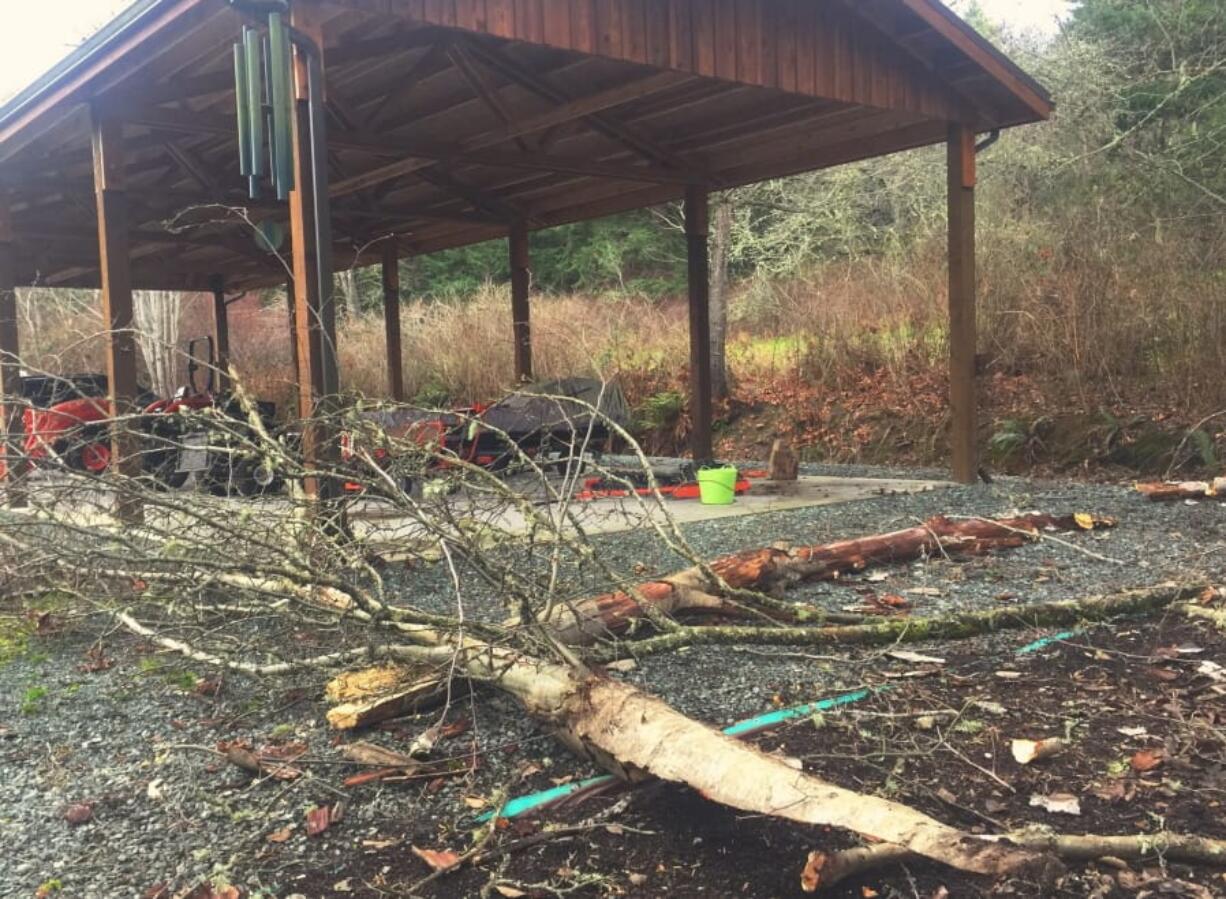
(35, 35)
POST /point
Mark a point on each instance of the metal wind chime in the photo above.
(263, 64)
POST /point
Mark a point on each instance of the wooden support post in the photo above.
(12, 422)
(697, 226)
(221, 332)
(314, 309)
(391, 319)
(521, 311)
(292, 320)
(962, 331)
(115, 270)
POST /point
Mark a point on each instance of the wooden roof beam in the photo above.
(606, 124)
(410, 80)
(480, 199)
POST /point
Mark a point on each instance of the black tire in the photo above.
(82, 450)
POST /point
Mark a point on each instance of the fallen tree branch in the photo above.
(914, 630)
(824, 871)
(1170, 491)
(636, 736)
(336, 658)
(693, 591)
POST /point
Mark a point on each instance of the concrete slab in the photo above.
(389, 530)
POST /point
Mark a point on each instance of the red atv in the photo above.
(68, 423)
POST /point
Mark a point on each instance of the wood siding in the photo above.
(811, 47)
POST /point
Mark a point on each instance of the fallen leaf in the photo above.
(1165, 675)
(1084, 521)
(1147, 760)
(280, 836)
(357, 780)
(1212, 670)
(1132, 731)
(811, 876)
(869, 893)
(1114, 791)
(475, 802)
(1009, 675)
(318, 819)
(95, 661)
(343, 886)
(1027, 751)
(923, 591)
(425, 743)
(78, 813)
(638, 879)
(509, 891)
(437, 860)
(1057, 803)
(616, 829)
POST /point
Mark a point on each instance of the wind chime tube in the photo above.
(280, 63)
(240, 102)
(269, 121)
(255, 108)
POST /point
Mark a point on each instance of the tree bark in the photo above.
(721, 239)
(156, 314)
(914, 630)
(635, 736)
(692, 590)
(1171, 491)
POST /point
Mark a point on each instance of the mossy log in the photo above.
(959, 625)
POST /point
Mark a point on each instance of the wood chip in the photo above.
(1026, 752)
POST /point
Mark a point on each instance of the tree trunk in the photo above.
(635, 735)
(156, 317)
(721, 237)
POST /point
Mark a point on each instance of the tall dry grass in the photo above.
(1094, 325)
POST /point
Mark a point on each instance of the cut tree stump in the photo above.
(784, 464)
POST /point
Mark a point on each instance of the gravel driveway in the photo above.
(134, 743)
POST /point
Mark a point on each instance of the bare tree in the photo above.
(156, 314)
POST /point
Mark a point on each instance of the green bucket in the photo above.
(717, 486)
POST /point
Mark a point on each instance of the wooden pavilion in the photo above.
(451, 122)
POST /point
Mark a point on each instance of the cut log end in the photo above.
(409, 699)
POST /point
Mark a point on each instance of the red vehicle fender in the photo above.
(45, 427)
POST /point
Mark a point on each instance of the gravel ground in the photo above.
(135, 741)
